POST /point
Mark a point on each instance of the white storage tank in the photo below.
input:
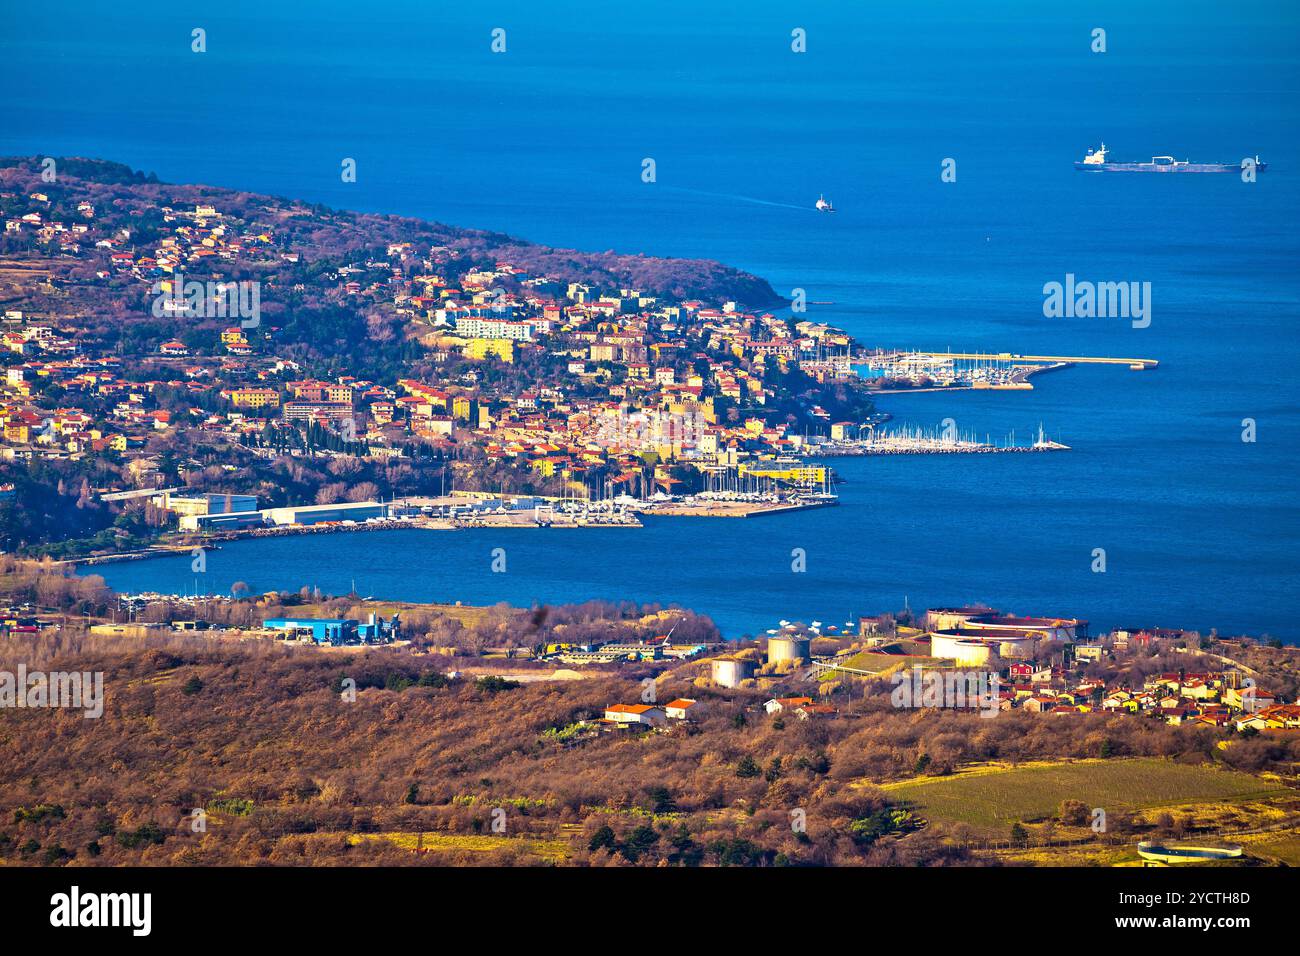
(1020, 648)
(965, 651)
(729, 671)
(789, 649)
(953, 618)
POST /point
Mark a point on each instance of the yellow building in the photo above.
(504, 349)
(795, 474)
(129, 630)
(254, 397)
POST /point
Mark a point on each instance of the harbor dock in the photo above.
(721, 508)
(1133, 363)
(919, 441)
(885, 369)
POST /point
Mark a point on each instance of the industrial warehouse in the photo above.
(338, 632)
(229, 512)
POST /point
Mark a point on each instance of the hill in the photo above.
(137, 197)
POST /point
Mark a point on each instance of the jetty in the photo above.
(701, 507)
(1137, 364)
(885, 369)
(911, 440)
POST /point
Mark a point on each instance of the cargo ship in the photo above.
(1095, 161)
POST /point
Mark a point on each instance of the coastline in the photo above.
(720, 509)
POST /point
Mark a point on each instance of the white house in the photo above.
(634, 714)
(778, 704)
(683, 708)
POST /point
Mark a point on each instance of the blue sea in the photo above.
(546, 141)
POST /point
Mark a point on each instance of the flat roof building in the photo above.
(233, 519)
(207, 504)
(314, 514)
(321, 630)
(336, 630)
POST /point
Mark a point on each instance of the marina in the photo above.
(888, 369)
(916, 370)
(451, 513)
(1134, 363)
(914, 440)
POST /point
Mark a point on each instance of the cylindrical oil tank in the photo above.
(972, 654)
(964, 651)
(789, 649)
(729, 672)
(1017, 649)
(951, 618)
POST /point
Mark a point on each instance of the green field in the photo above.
(994, 797)
(877, 662)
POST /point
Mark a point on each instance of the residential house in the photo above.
(626, 714)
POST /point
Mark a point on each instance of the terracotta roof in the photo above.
(628, 708)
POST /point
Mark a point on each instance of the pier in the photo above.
(941, 371)
(723, 508)
(910, 440)
(1133, 363)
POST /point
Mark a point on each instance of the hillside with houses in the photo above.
(160, 336)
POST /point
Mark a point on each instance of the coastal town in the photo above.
(228, 399)
(512, 380)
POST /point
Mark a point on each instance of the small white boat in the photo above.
(823, 205)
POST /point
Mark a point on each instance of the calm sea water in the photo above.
(546, 142)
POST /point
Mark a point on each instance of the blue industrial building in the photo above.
(338, 631)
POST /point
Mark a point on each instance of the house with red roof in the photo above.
(629, 714)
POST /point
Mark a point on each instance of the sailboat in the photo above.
(1042, 443)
